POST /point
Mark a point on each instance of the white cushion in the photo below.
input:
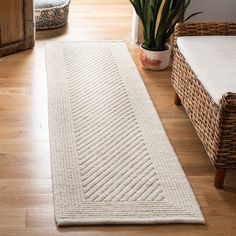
(213, 60)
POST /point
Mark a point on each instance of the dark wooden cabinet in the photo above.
(16, 26)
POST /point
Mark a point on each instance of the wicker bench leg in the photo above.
(177, 99)
(219, 177)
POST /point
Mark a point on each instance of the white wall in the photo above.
(213, 10)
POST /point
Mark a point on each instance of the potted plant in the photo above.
(158, 18)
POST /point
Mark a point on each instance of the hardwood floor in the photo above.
(26, 204)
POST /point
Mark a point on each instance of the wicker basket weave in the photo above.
(215, 124)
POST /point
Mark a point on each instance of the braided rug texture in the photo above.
(111, 160)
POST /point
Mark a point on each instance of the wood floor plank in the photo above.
(13, 218)
(40, 217)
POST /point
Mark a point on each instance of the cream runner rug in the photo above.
(112, 162)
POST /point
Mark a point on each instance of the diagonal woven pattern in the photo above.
(111, 159)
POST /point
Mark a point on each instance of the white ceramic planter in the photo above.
(155, 60)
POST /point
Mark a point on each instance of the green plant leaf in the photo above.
(192, 15)
(158, 18)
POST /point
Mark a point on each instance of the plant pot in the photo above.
(155, 60)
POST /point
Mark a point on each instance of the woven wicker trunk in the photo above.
(215, 124)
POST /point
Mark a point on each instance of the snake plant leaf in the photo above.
(159, 6)
(180, 18)
(192, 15)
(158, 18)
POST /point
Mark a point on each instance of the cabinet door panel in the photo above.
(16, 26)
